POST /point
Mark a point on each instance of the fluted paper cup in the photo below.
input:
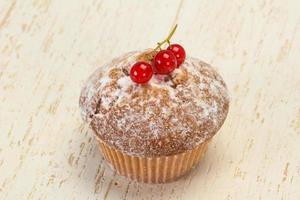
(153, 169)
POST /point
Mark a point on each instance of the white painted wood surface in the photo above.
(49, 47)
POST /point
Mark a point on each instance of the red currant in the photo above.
(165, 62)
(179, 53)
(141, 72)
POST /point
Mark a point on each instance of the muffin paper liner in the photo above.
(153, 169)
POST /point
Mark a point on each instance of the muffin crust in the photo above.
(169, 115)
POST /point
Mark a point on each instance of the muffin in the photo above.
(154, 132)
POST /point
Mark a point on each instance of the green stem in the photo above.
(167, 40)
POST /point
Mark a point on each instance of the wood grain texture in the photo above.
(49, 47)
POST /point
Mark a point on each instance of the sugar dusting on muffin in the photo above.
(169, 115)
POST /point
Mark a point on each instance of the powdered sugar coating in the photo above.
(168, 115)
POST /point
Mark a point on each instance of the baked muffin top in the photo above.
(169, 115)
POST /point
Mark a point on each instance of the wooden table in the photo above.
(49, 47)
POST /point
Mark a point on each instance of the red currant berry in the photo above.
(179, 53)
(165, 62)
(141, 72)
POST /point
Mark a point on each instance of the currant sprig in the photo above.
(163, 62)
(167, 40)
